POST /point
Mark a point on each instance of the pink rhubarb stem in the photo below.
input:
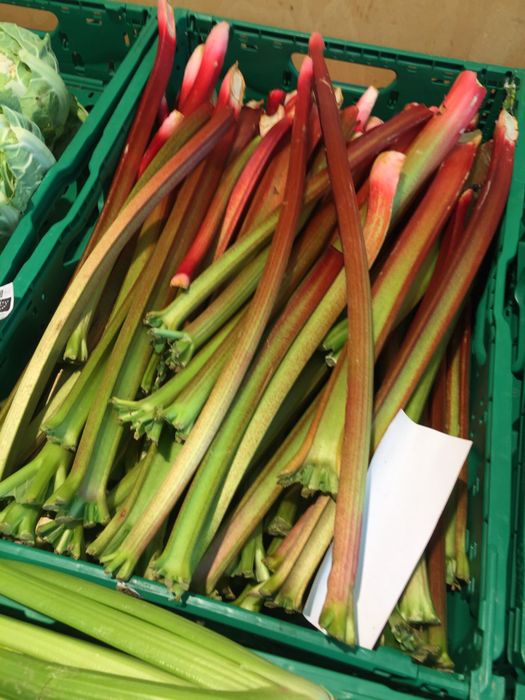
(337, 616)
(247, 182)
(190, 73)
(168, 127)
(247, 129)
(209, 69)
(365, 104)
(372, 123)
(438, 137)
(382, 186)
(434, 319)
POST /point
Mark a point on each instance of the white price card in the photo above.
(409, 481)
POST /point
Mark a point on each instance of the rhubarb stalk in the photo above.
(337, 616)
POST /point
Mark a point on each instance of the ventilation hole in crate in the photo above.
(246, 46)
(353, 73)
(64, 40)
(287, 79)
(111, 68)
(78, 61)
(393, 98)
(39, 20)
(93, 20)
(441, 81)
(126, 38)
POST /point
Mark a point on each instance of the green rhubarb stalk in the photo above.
(286, 513)
(318, 469)
(305, 251)
(415, 603)
(414, 244)
(123, 488)
(246, 562)
(142, 615)
(462, 562)
(96, 267)
(411, 640)
(291, 593)
(185, 409)
(208, 497)
(155, 467)
(292, 546)
(48, 645)
(226, 387)
(451, 425)
(266, 406)
(48, 461)
(253, 507)
(65, 538)
(435, 551)
(298, 536)
(18, 521)
(130, 356)
(438, 137)
(432, 324)
(337, 616)
(143, 413)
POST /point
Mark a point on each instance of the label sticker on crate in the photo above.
(7, 300)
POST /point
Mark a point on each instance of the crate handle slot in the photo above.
(29, 17)
(351, 73)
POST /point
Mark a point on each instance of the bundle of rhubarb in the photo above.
(267, 285)
(181, 659)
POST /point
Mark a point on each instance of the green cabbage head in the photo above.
(30, 82)
(24, 160)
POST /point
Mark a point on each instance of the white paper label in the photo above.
(7, 300)
(410, 479)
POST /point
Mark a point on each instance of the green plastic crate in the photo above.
(478, 623)
(98, 47)
(515, 314)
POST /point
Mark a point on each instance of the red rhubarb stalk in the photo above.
(126, 172)
(414, 244)
(168, 127)
(382, 186)
(274, 99)
(337, 616)
(190, 73)
(163, 111)
(206, 234)
(209, 69)
(250, 332)
(247, 182)
(438, 137)
(434, 319)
